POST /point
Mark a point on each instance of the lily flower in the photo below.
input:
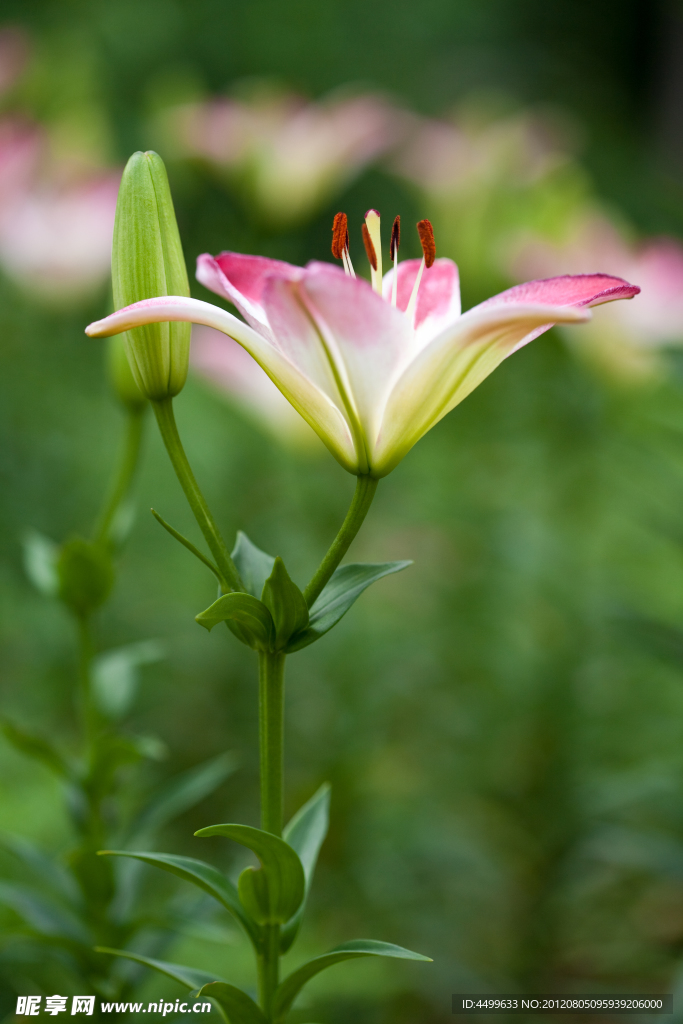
(371, 367)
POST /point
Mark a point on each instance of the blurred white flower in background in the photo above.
(287, 156)
(629, 337)
(230, 371)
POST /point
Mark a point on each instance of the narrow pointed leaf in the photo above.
(286, 604)
(305, 833)
(345, 587)
(205, 876)
(45, 869)
(253, 565)
(36, 747)
(183, 792)
(254, 894)
(284, 872)
(43, 915)
(40, 562)
(191, 977)
(238, 1007)
(289, 989)
(250, 614)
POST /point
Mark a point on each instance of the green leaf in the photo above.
(181, 793)
(345, 587)
(205, 876)
(45, 869)
(115, 675)
(43, 915)
(285, 602)
(253, 565)
(238, 1007)
(282, 867)
(288, 990)
(40, 562)
(250, 614)
(36, 747)
(192, 977)
(305, 834)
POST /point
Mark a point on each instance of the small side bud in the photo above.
(369, 247)
(426, 233)
(395, 237)
(85, 575)
(340, 235)
(147, 261)
(121, 376)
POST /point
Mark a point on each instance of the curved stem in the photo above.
(362, 499)
(120, 486)
(163, 410)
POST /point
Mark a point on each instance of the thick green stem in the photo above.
(269, 968)
(362, 499)
(163, 410)
(120, 485)
(271, 735)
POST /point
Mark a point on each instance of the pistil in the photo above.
(371, 231)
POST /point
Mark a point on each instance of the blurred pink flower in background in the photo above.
(469, 152)
(629, 336)
(15, 50)
(288, 155)
(231, 371)
(56, 216)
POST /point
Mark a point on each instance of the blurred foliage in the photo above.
(501, 723)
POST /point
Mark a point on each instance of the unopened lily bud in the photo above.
(121, 376)
(147, 261)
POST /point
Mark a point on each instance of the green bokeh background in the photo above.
(503, 723)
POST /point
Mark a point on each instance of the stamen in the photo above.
(369, 247)
(426, 233)
(340, 235)
(372, 224)
(395, 238)
(393, 254)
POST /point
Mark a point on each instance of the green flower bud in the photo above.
(85, 575)
(121, 377)
(147, 261)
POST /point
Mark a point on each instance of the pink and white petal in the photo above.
(229, 369)
(438, 300)
(297, 337)
(309, 401)
(367, 339)
(568, 290)
(241, 279)
(452, 365)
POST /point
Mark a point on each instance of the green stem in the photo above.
(120, 486)
(362, 499)
(271, 736)
(85, 656)
(163, 410)
(269, 968)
